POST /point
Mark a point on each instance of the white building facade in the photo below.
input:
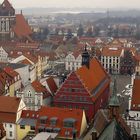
(73, 62)
(111, 58)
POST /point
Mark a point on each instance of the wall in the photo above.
(21, 133)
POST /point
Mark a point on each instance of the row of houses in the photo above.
(115, 58)
(17, 122)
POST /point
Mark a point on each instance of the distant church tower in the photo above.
(7, 20)
(85, 57)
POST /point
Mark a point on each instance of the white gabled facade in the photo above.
(3, 55)
(72, 62)
(10, 128)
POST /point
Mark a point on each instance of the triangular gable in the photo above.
(72, 89)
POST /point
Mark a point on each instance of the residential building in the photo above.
(133, 118)
(87, 88)
(27, 123)
(17, 84)
(10, 112)
(68, 123)
(3, 55)
(137, 60)
(35, 95)
(111, 58)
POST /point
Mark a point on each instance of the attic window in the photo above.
(27, 115)
(19, 53)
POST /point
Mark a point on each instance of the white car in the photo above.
(129, 86)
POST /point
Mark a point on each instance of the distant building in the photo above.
(111, 58)
(73, 61)
(13, 26)
(137, 61)
(127, 65)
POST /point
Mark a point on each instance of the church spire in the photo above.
(85, 57)
(114, 104)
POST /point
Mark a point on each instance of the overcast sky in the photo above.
(76, 3)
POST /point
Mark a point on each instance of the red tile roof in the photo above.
(111, 51)
(8, 108)
(9, 104)
(30, 114)
(26, 62)
(135, 103)
(93, 76)
(11, 72)
(61, 114)
(22, 29)
(52, 85)
(38, 87)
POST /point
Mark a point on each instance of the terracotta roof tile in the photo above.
(135, 103)
(111, 51)
(22, 29)
(93, 76)
(52, 85)
(61, 114)
(38, 87)
(11, 71)
(9, 104)
(30, 114)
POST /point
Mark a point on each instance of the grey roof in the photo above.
(114, 132)
(13, 65)
(45, 135)
(27, 121)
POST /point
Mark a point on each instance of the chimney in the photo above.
(94, 135)
(21, 12)
(134, 137)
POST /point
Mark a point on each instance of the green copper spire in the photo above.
(114, 101)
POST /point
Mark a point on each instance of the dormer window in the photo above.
(53, 121)
(43, 119)
(69, 122)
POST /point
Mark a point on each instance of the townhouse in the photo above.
(10, 112)
(35, 95)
